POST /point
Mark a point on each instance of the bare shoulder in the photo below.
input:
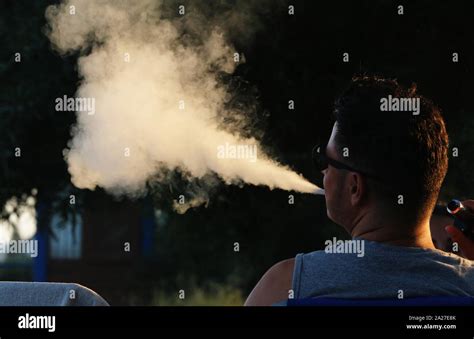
(274, 285)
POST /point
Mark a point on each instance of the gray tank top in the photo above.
(382, 272)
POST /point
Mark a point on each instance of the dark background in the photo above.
(290, 58)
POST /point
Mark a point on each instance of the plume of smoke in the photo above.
(157, 97)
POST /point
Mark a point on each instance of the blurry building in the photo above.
(101, 250)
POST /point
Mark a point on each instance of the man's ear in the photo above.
(358, 188)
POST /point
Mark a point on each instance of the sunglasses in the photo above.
(321, 161)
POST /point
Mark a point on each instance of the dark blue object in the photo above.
(418, 301)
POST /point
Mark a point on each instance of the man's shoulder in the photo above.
(283, 266)
(274, 285)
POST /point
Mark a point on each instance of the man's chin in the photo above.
(330, 216)
(336, 220)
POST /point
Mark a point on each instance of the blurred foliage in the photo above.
(29, 123)
(289, 57)
(215, 295)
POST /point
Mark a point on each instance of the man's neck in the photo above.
(371, 228)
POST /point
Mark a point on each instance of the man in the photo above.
(383, 168)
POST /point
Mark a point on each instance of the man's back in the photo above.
(384, 271)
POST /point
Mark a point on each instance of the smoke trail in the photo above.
(157, 92)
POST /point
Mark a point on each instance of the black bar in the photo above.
(75, 320)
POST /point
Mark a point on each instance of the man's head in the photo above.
(398, 153)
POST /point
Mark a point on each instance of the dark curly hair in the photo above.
(409, 153)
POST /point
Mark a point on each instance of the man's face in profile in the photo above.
(336, 188)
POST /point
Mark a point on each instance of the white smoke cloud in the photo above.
(157, 95)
